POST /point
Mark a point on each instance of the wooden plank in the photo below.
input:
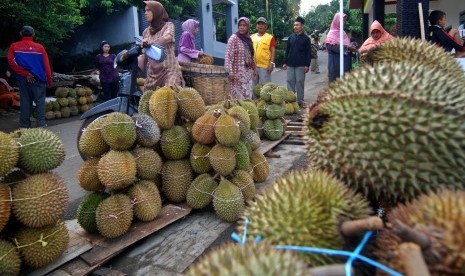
(296, 133)
(77, 246)
(293, 128)
(76, 267)
(267, 145)
(291, 142)
(110, 247)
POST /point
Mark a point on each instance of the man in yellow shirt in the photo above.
(264, 46)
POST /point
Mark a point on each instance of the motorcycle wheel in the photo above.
(84, 125)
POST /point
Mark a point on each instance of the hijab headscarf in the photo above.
(160, 16)
(189, 26)
(245, 37)
(370, 42)
(334, 32)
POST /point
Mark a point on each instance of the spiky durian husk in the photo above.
(41, 150)
(114, 215)
(119, 131)
(386, 146)
(41, 246)
(191, 104)
(304, 209)
(163, 105)
(416, 51)
(250, 259)
(144, 106)
(5, 205)
(9, 153)
(148, 132)
(441, 217)
(10, 261)
(409, 80)
(91, 142)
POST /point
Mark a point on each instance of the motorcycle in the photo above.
(127, 100)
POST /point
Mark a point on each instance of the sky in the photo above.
(305, 5)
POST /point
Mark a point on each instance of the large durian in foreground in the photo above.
(9, 153)
(438, 217)
(304, 209)
(10, 262)
(391, 138)
(414, 51)
(250, 259)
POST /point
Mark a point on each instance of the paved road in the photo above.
(68, 128)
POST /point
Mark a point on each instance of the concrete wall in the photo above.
(117, 28)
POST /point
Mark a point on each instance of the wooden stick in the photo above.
(329, 270)
(357, 227)
(412, 258)
(407, 234)
(422, 23)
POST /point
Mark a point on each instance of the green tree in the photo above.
(53, 21)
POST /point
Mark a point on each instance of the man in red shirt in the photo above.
(29, 61)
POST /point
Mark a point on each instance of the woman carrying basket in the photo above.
(161, 32)
(240, 61)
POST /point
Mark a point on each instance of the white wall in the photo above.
(452, 8)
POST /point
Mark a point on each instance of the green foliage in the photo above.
(53, 20)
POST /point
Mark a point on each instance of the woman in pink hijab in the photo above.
(378, 36)
(332, 43)
(186, 48)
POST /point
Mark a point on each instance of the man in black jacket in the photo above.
(297, 59)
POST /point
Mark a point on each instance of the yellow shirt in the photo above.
(261, 46)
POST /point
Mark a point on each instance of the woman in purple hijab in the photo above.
(186, 49)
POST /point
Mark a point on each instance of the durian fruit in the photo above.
(147, 130)
(61, 92)
(199, 158)
(41, 150)
(175, 143)
(191, 104)
(227, 130)
(87, 175)
(176, 179)
(223, 159)
(304, 209)
(144, 107)
(119, 131)
(63, 102)
(288, 109)
(416, 51)
(290, 97)
(206, 59)
(9, 153)
(40, 199)
(65, 112)
(86, 211)
(274, 111)
(242, 156)
(114, 216)
(203, 129)
(91, 143)
(228, 201)
(278, 95)
(148, 163)
(253, 140)
(261, 107)
(200, 192)
(249, 259)
(431, 85)
(256, 90)
(41, 246)
(296, 107)
(117, 169)
(388, 147)
(5, 205)
(252, 110)
(438, 220)
(260, 166)
(244, 181)
(146, 200)
(163, 107)
(242, 116)
(49, 115)
(273, 129)
(10, 261)
(267, 89)
(55, 106)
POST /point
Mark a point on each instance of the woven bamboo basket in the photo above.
(210, 81)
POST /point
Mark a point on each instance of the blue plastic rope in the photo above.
(352, 255)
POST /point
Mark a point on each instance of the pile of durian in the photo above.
(69, 102)
(273, 102)
(33, 200)
(386, 139)
(173, 149)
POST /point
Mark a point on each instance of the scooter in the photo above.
(129, 93)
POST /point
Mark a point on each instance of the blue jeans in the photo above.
(29, 93)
